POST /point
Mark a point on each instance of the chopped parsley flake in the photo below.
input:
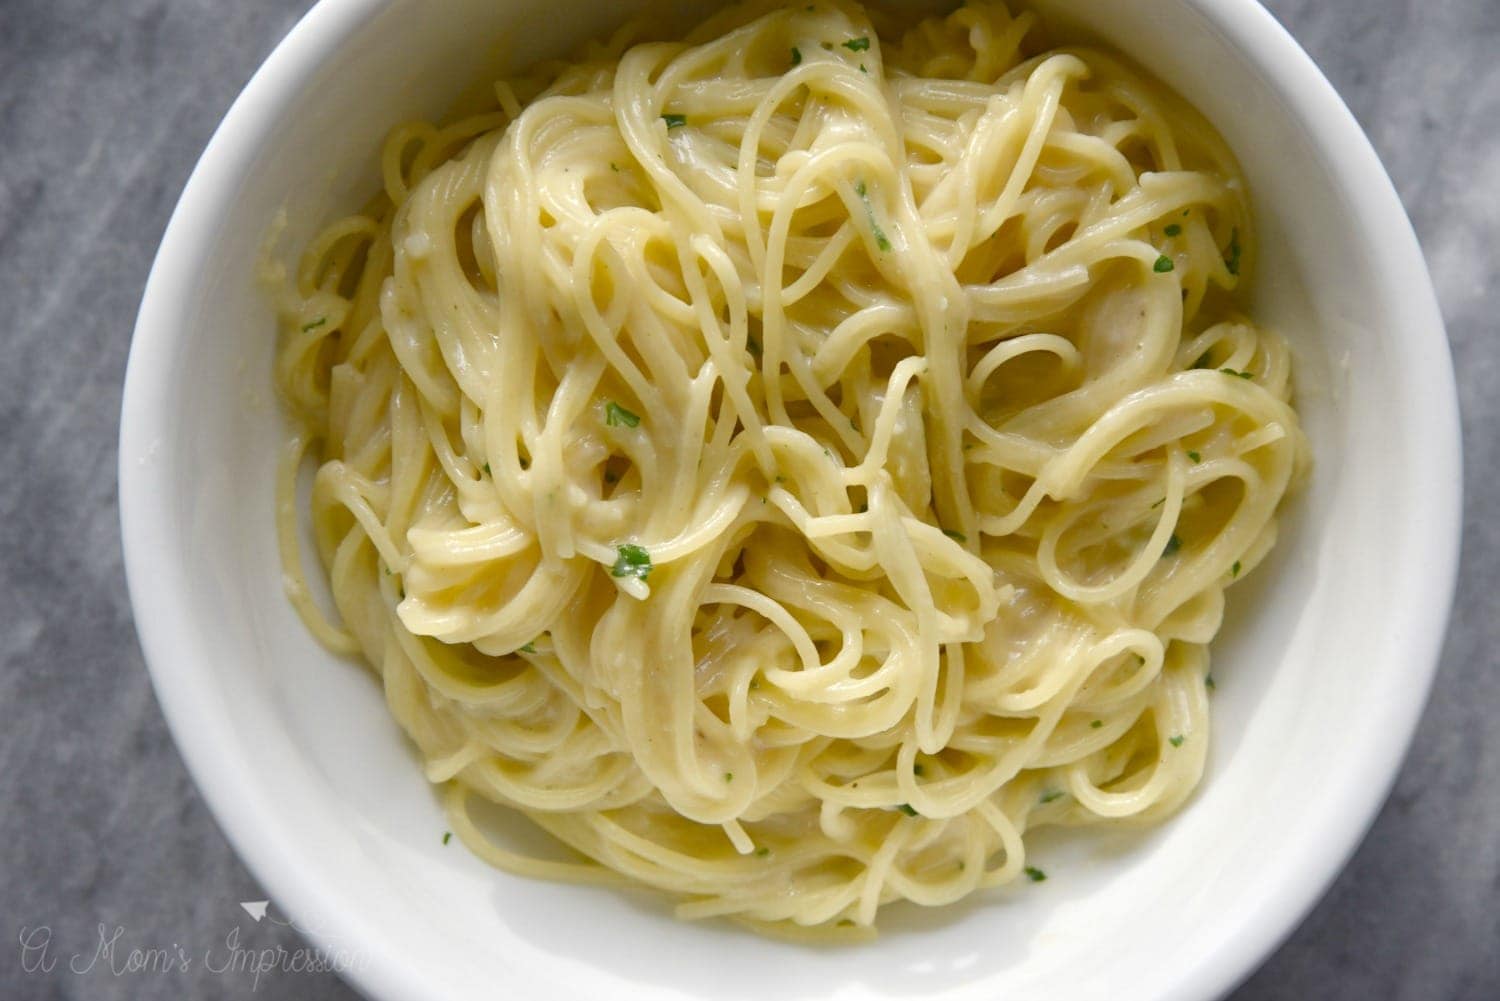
(1232, 262)
(1195, 456)
(796, 56)
(617, 416)
(858, 44)
(1163, 265)
(862, 68)
(447, 836)
(955, 536)
(1208, 683)
(1176, 741)
(530, 647)
(917, 769)
(753, 346)
(1173, 544)
(907, 809)
(1035, 875)
(1172, 229)
(881, 240)
(1054, 794)
(1202, 361)
(1242, 375)
(315, 324)
(1096, 724)
(1234, 571)
(729, 776)
(674, 121)
(631, 561)
(487, 469)
(762, 851)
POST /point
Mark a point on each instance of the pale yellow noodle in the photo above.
(790, 464)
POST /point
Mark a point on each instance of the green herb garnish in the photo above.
(1034, 874)
(907, 809)
(530, 647)
(1234, 571)
(674, 121)
(762, 851)
(1055, 794)
(617, 416)
(1173, 544)
(1163, 265)
(487, 469)
(729, 776)
(1232, 262)
(955, 536)
(1208, 683)
(881, 240)
(796, 56)
(447, 836)
(631, 561)
(1176, 741)
(1096, 724)
(315, 324)
(1172, 229)
(1242, 375)
(1195, 456)
(858, 44)
(917, 769)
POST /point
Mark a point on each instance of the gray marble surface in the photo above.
(104, 108)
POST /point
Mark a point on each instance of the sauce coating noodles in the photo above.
(791, 463)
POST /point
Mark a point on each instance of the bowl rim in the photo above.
(289, 873)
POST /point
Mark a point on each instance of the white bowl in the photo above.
(1323, 666)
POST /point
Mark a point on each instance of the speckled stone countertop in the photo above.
(104, 108)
